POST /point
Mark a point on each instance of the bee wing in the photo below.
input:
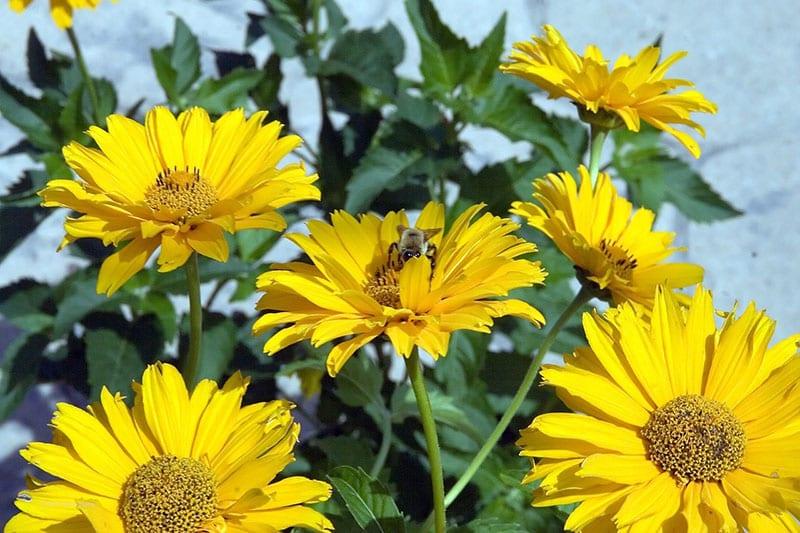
(431, 233)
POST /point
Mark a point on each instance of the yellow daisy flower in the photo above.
(60, 10)
(175, 462)
(634, 89)
(684, 426)
(617, 253)
(178, 184)
(369, 279)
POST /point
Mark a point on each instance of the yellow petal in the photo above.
(342, 352)
(774, 457)
(580, 434)
(195, 126)
(753, 492)
(623, 469)
(208, 240)
(59, 462)
(101, 518)
(592, 508)
(122, 265)
(164, 138)
(166, 405)
(658, 496)
(414, 282)
(175, 251)
(595, 395)
(92, 442)
(119, 421)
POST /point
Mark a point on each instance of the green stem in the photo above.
(598, 136)
(316, 7)
(583, 296)
(87, 78)
(431, 440)
(192, 362)
(386, 444)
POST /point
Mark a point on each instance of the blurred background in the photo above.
(745, 56)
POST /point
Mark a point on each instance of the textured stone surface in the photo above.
(745, 56)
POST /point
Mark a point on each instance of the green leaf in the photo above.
(368, 57)
(695, 198)
(445, 56)
(509, 110)
(252, 244)
(175, 282)
(220, 95)
(245, 287)
(216, 348)
(184, 56)
(336, 19)
(461, 369)
(112, 361)
(346, 450)
(22, 193)
(42, 71)
(18, 370)
(444, 408)
(55, 166)
(25, 304)
(284, 33)
(655, 177)
(485, 59)
(495, 525)
(367, 499)
(161, 306)
(377, 170)
(359, 382)
(165, 73)
(177, 65)
(80, 299)
(106, 99)
(19, 109)
(265, 93)
(417, 110)
(500, 184)
(71, 119)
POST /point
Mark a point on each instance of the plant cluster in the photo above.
(415, 308)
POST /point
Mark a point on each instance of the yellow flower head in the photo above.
(177, 183)
(60, 10)
(370, 277)
(611, 249)
(633, 90)
(174, 462)
(684, 427)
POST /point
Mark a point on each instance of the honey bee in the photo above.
(412, 243)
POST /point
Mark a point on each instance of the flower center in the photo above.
(183, 194)
(383, 287)
(695, 439)
(621, 260)
(169, 494)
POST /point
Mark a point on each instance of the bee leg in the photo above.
(430, 253)
(394, 256)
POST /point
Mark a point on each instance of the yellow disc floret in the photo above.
(183, 194)
(695, 439)
(168, 494)
(384, 288)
